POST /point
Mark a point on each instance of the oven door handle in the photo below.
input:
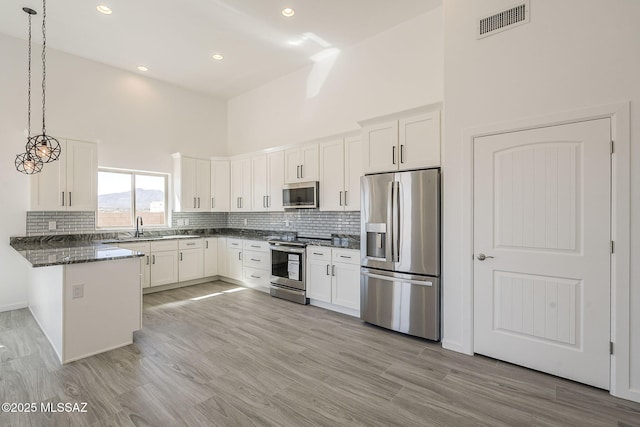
(288, 249)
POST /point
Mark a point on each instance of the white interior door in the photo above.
(542, 222)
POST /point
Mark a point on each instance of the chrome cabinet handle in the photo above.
(191, 244)
(194, 203)
(154, 259)
(147, 259)
(206, 244)
(255, 260)
(318, 253)
(268, 201)
(213, 204)
(255, 277)
(62, 199)
(345, 198)
(255, 246)
(333, 270)
(198, 202)
(401, 153)
(180, 256)
(69, 198)
(301, 171)
(393, 154)
(328, 272)
(341, 198)
(482, 257)
(298, 171)
(239, 256)
(344, 256)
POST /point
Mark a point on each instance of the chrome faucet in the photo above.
(139, 224)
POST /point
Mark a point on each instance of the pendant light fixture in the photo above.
(43, 146)
(25, 162)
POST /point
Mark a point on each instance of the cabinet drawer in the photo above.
(234, 243)
(257, 276)
(190, 243)
(319, 253)
(164, 245)
(139, 247)
(348, 256)
(256, 245)
(259, 260)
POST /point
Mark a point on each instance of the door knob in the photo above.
(482, 257)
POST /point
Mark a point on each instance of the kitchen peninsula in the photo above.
(85, 296)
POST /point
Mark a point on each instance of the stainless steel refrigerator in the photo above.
(400, 252)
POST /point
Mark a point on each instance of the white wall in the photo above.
(138, 121)
(392, 71)
(558, 62)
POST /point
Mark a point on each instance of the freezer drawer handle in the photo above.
(397, 279)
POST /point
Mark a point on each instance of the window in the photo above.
(125, 195)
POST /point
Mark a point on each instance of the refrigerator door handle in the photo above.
(397, 279)
(395, 234)
(390, 218)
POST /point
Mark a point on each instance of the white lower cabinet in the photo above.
(333, 277)
(223, 258)
(145, 260)
(164, 267)
(191, 264)
(257, 263)
(234, 259)
(211, 256)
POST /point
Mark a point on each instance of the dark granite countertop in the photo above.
(73, 252)
(42, 251)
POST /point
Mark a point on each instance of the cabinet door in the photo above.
(220, 186)
(420, 141)
(82, 176)
(275, 171)
(319, 280)
(223, 266)
(49, 187)
(240, 185)
(210, 257)
(352, 173)
(203, 185)
(185, 183)
(234, 263)
(332, 176)
(164, 268)
(380, 147)
(145, 260)
(345, 289)
(259, 183)
(292, 163)
(310, 166)
(191, 265)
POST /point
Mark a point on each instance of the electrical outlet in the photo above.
(186, 221)
(180, 222)
(77, 291)
(287, 223)
(52, 225)
(246, 221)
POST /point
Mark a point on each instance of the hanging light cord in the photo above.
(44, 68)
(29, 85)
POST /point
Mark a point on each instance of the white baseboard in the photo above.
(333, 307)
(454, 346)
(16, 306)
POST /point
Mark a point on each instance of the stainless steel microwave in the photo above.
(301, 195)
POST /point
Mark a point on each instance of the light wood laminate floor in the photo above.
(244, 358)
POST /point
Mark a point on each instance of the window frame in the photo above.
(132, 173)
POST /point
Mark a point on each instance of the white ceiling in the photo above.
(176, 38)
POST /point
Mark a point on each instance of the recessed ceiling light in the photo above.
(218, 57)
(104, 9)
(142, 68)
(287, 11)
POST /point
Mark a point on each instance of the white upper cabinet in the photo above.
(70, 183)
(301, 164)
(402, 144)
(241, 185)
(219, 186)
(267, 181)
(340, 171)
(191, 184)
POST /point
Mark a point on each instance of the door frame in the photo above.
(619, 113)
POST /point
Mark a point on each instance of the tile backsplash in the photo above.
(65, 222)
(312, 223)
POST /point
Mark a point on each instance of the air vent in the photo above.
(504, 20)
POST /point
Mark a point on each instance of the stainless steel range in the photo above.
(288, 259)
